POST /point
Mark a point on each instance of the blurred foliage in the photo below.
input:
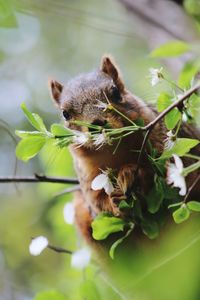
(42, 39)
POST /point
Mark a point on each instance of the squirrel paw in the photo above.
(116, 197)
(126, 178)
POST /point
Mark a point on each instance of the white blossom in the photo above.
(170, 140)
(174, 175)
(81, 258)
(102, 181)
(37, 245)
(155, 75)
(80, 138)
(99, 140)
(69, 213)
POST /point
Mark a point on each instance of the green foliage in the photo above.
(50, 295)
(119, 241)
(105, 224)
(194, 206)
(174, 48)
(35, 120)
(180, 147)
(150, 228)
(155, 196)
(29, 147)
(88, 290)
(190, 69)
(181, 214)
(193, 108)
(172, 118)
(7, 17)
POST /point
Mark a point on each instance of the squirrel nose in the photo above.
(99, 122)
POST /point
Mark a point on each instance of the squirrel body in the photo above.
(79, 100)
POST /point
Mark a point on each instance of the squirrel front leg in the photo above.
(125, 180)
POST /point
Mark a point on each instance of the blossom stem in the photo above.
(191, 169)
(173, 84)
(192, 156)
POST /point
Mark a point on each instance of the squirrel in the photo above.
(78, 100)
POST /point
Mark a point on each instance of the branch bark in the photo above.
(39, 178)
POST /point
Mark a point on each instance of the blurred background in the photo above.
(47, 39)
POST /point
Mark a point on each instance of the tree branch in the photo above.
(177, 103)
(59, 249)
(39, 178)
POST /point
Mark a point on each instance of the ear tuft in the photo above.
(56, 90)
(109, 67)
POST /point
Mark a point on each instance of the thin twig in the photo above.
(191, 188)
(59, 249)
(39, 178)
(67, 191)
(177, 103)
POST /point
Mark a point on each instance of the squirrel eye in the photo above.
(115, 95)
(66, 115)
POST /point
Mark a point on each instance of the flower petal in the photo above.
(178, 162)
(81, 258)
(69, 213)
(99, 182)
(108, 187)
(37, 245)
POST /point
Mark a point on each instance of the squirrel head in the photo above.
(84, 97)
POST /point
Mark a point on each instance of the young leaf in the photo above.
(50, 295)
(155, 196)
(172, 118)
(174, 48)
(181, 214)
(164, 100)
(180, 148)
(29, 147)
(119, 241)
(194, 205)
(193, 108)
(150, 228)
(103, 225)
(26, 134)
(188, 72)
(35, 120)
(60, 130)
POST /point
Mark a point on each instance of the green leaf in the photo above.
(150, 228)
(174, 48)
(172, 118)
(175, 204)
(194, 205)
(35, 120)
(60, 130)
(155, 196)
(50, 295)
(193, 108)
(119, 241)
(123, 205)
(29, 147)
(7, 17)
(181, 214)
(164, 100)
(188, 72)
(88, 290)
(103, 225)
(26, 134)
(181, 147)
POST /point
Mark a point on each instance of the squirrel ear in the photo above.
(56, 90)
(109, 67)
